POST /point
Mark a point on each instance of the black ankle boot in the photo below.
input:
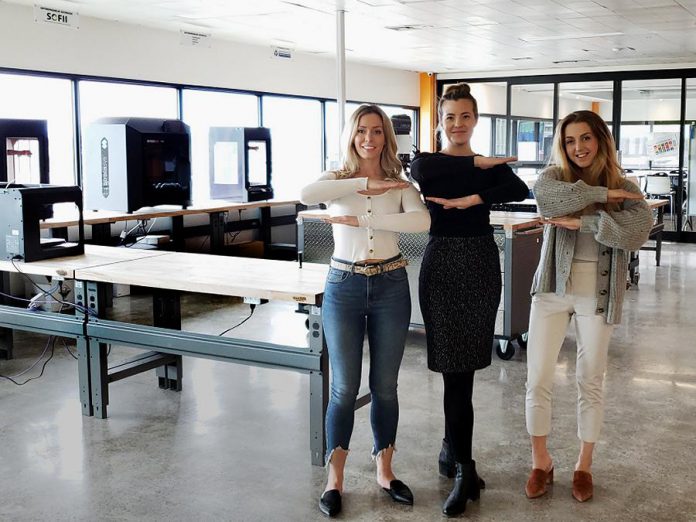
(467, 485)
(446, 462)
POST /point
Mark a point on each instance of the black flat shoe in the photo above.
(330, 503)
(399, 492)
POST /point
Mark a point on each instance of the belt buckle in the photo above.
(372, 270)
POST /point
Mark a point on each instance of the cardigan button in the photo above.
(600, 310)
(603, 292)
(605, 272)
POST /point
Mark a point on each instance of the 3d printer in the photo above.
(26, 151)
(22, 207)
(404, 142)
(240, 163)
(132, 163)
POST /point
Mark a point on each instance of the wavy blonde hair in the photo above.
(351, 160)
(605, 170)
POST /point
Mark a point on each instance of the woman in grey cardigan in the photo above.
(593, 218)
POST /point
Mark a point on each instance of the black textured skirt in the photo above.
(459, 292)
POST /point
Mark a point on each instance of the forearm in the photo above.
(626, 229)
(327, 190)
(514, 190)
(408, 222)
(559, 198)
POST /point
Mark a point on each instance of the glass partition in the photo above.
(649, 140)
(531, 124)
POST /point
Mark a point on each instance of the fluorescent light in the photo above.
(567, 36)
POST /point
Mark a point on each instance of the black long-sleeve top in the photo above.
(444, 176)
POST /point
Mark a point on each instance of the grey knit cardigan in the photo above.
(617, 232)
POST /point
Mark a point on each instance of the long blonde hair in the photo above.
(351, 160)
(605, 170)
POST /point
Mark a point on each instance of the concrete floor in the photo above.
(233, 445)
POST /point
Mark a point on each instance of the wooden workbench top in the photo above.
(204, 207)
(64, 267)
(218, 275)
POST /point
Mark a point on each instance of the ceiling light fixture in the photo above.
(567, 36)
(410, 27)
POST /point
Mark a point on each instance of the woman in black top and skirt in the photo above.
(460, 280)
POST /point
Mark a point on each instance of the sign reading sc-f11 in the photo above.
(48, 15)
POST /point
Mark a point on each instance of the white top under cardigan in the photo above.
(380, 218)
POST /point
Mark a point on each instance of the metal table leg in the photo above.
(318, 389)
(217, 232)
(167, 314)
(6, 335)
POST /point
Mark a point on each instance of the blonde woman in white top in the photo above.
(367, 291)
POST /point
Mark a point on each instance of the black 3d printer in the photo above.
(132, 163)
(26, 146)
(26, 199)
(404, 142)
(240, 163)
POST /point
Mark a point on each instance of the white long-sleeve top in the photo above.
(380, 218)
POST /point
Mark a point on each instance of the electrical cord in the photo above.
(65, 345)
(143, 231)
(52, 342)
(253, 307)
(76, 306)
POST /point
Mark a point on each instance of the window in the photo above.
(205, 109)
(296, 139)
(481, 138)
(332, 152)
(532, 123)
(50, 99)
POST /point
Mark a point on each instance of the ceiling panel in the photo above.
(435, 35)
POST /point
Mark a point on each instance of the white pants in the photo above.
(548, 322)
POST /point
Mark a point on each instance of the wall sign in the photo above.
(49, 15)
(195, 39)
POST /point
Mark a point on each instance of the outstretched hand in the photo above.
(379, 186)
(484, 162)
(460, 203)
(619, 195)
(567, 222)
(351, 221)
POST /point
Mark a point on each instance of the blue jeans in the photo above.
(352, 305)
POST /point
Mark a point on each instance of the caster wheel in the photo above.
(505, 350)
(522, 341)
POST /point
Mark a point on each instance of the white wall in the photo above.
(656, 110)
(113, 49)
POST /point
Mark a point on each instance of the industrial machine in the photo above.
(132, 163)
(22, 207)
(404, 142)
(240, 163)
(26, 151)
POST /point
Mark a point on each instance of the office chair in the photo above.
(658, 186)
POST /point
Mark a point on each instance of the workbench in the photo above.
(217, 210)
(169, 274)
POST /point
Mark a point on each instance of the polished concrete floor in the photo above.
(233, 445)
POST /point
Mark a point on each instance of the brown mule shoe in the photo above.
(537, 482)
(582, 486)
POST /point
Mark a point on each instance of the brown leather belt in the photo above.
(371, 269)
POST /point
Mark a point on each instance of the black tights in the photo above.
(459, 414)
